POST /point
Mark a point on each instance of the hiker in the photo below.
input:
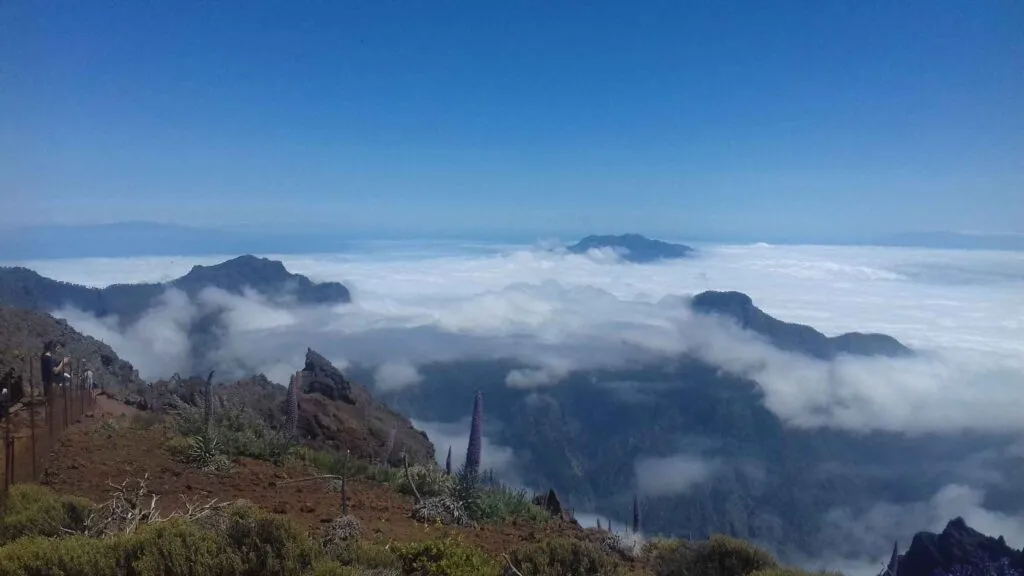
(87, 375)
(50, 369)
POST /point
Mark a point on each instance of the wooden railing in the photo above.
(33, 426)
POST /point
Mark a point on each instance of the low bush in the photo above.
(243, 541)
(332, 568)
(33, 510)
(71, 556)
(365, 555)
(430, 481)
(564, 557)
(502, 504)
(177, 548)
(237, 432)
(266, 543)
(719, 556)
(445, 557)
(780, 571)
(348, 466)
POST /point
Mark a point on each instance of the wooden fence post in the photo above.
(32, 412)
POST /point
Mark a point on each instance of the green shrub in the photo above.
(719, 556)
(178, 447)
(780, 571)
(349, 466)
(267, 544)
(71, 556)
(467, 492)
(238, 430)
(179, 548)
(502, 504)
(242, 540)
(430, 481)
(364, 554)
(332, 568)
(445, 557)
(668, 557)
(34, 510)
(564, 557)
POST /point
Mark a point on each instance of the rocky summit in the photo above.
(958, 550)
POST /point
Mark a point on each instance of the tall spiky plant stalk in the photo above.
(292, 420)
(475, 435)
(208, 403)
(344, 486)
(448, 463)
(636, 514)
(390, 446)
(894, 562)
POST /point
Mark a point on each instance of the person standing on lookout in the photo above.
(50, 369)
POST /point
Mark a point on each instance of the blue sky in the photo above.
(686, 118)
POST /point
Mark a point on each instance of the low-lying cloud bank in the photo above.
(558, 313)
(847, 534)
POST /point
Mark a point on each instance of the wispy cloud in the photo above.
(672, 475)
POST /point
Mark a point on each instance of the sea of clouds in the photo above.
(963, 311)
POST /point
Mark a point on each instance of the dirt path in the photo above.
(107, 408)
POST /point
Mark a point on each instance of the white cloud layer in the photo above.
(963, 310)
(672, 475)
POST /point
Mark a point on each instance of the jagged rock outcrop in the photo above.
(334, 413)
(549, 502)
(800, 338)
(321, 377)
(961, 551)
(340, 415)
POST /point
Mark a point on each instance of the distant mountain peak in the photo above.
(740, 308)
(633, 247)
(246, 264)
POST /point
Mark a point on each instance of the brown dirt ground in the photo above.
(89, 456)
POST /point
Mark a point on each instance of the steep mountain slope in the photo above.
(24, 288)
(22, 334)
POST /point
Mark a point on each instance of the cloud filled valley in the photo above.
(543, 333)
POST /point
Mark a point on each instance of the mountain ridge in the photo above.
(632, 247)
(793, 337)
(24, 288)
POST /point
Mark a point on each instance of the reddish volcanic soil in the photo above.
(90, 455)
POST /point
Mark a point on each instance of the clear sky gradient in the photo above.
(684, 118)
